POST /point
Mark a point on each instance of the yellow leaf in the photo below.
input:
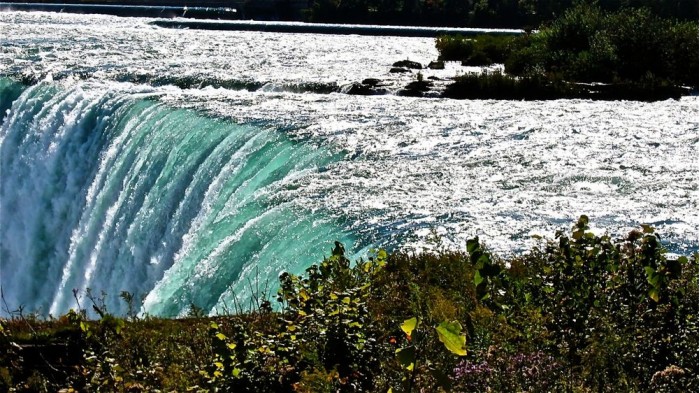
(409, 326)
(450, 333)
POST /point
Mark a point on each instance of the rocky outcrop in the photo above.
(416, 89)
(437, 65)
(365, 89)
(408, 64)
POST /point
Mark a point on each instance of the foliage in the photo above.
(476, 13)
(480, 50)
(588, 44)
(579, 312)
(497, 85)
(324, 334)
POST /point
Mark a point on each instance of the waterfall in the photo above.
(109, 189)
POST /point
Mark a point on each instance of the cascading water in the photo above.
(111, 190)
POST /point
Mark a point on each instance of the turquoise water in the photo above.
(116, 192)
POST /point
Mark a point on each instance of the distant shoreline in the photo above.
(223, 18)
(331, 28)
(139, 10)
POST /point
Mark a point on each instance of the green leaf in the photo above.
(221, 336)
(483, 261)
(654, 294)
(213, 325)
(450, 333)
(407, 357)
(409, 325)
(477, 278)
(472, 244)
(650, 271)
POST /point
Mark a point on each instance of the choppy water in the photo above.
(115, 178)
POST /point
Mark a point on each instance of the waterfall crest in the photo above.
(114, 191)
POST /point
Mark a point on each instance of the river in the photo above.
(190, 166)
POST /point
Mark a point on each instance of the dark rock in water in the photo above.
(434, 78)
(405, 144)
(419, 85)
(364, 90)
(408, 64)
(416, 89)
(371, 82)
(398, 70)
(437, 65)
(409, 93)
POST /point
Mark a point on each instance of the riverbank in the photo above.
(331, 28)
(580, 312)
(148, 10)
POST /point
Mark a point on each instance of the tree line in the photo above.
(477, 13)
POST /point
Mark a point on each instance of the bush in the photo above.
(477, 51)
(454, 48)
(630, 46)
(579, 312)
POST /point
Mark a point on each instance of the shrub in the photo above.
(631, 45)
(454, 48)
(579, 312)
(477, 51)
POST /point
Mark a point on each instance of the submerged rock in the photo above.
(361, 89)
(371, 82)
(437, 65)
(398, 70)
(408, 64)
(416, 89)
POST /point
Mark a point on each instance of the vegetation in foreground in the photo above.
(586, 53)
(578, 313)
